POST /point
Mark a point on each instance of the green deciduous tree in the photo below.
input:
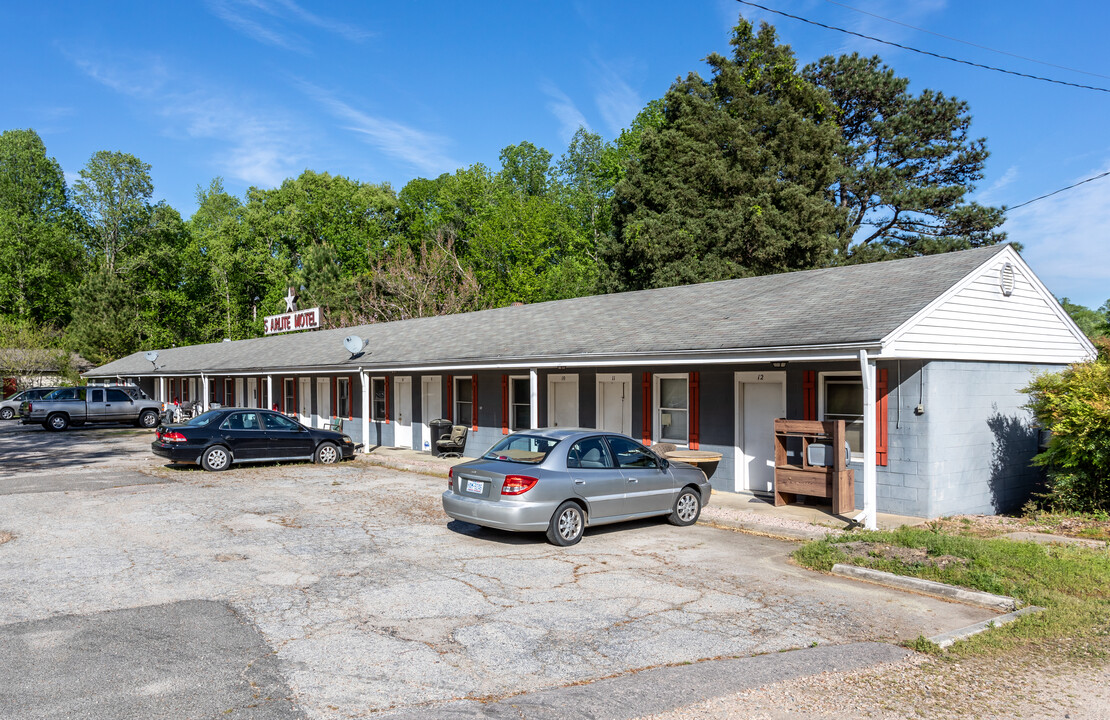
(908, 165)
(732, 181)
(1093, 323)
(114, 195)
(40, 247)
(1075, 406)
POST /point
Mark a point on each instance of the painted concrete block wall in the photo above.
(980, 439)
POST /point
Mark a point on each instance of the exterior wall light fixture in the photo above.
(780, 364)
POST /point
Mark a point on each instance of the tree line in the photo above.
(761, 167)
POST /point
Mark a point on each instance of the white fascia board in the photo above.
(837, 353)
(1012, 256)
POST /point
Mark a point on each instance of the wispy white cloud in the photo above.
(565, 111)
(256, 146)
(422, 150)
(1066, 239)
(277, 22)
(617, 102)
(987, 196)
(133, 76)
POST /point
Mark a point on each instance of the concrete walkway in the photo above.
(819, 515)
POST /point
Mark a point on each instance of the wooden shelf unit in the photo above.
(834, 482)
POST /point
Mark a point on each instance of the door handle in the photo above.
(579, 482)
(632, 480)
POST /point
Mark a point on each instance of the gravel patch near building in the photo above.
(1015, 685)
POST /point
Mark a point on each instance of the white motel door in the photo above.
(304, 400)
(252, 392)
(402, 400)
(431, 407)
(239, 392)
(614, 403)
(323, 401)
(562, 401)
(759, 403)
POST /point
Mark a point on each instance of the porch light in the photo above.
(779, 365)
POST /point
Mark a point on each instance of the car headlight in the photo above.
(347, 440)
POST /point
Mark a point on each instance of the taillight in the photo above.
(518, 484)
(174, 437)
(450, 478)
(30, 407)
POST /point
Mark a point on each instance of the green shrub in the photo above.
(1075, 405)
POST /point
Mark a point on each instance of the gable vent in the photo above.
(1006, 279)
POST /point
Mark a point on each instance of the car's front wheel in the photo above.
(6, 413)
(216, 458)
(687, 508)
(148, 419)
(327, 454)
(567, 524)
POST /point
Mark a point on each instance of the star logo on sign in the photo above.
(289, 300)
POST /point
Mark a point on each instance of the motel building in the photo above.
(923, 359)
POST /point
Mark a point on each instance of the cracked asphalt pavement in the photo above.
(344, 591)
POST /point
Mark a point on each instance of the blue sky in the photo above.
(256, 91)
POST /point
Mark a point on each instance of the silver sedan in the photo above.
(561, 481)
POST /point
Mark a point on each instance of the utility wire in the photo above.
(1054, 192)
(965, 42)
(923, 52)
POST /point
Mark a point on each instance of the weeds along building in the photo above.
(924, 359)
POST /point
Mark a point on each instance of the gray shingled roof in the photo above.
(856, 304)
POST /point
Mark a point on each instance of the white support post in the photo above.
(204, 392)
(269, 392)
(365, 410)
(534, 397)
(870, 498)
(161, 389)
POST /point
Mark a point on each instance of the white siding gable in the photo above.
(975, 320)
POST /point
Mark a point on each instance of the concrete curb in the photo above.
(927, 587)
(769, 529)
(944, 640)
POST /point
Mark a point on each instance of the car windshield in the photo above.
(527, 449)
(203, 419)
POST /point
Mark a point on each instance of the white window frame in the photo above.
(834, 375)
(513, 401)
(342, 382)
(373, 399)
(455, 400)
(657, 428)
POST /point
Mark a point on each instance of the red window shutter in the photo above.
(335, 396)
(880, 417)
(504, 404)
(350, 400)
(281, 394)
(450, 400)
(293, 410)
(647, 409)
(386, 384)
(809, 395)
(474, 403)
(695, 434)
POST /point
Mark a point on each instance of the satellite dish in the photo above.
(354, 344)
(152, 355)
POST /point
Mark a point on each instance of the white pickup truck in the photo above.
(80, 405)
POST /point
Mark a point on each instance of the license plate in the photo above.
(474, 486)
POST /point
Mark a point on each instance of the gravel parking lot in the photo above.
(343, 591)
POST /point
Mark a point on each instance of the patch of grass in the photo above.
(820, 555)
(1070, 582)
(924, 645)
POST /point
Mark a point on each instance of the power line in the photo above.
(923, 52)
(1054, 192)
(965, 42)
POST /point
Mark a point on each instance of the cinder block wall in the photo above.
(980, 437)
